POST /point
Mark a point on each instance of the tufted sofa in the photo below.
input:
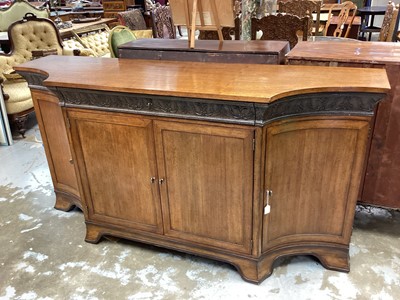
(94, 38)
(26, 35)
(17, 11)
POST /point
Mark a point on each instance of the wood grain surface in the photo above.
(240, 82)
(366, 52)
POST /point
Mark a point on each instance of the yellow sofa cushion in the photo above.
(97, 41)
(143, 34)
(20, 98)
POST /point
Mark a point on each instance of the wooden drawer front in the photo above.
(111, 14)
(114, 5)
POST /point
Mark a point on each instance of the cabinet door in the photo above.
(208, 183)
(314, 169)
(116, 161)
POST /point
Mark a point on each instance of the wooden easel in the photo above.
(202, 15)
(197, 8)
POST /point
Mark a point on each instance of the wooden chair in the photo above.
(281, 27)
(390, 19)
(346, 16)
(133, 19)
(162, 23)
(304, 8)
(119, 35)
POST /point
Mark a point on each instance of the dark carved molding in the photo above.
(35, 80)
(164, 106)
(356, 104)
(247, 113)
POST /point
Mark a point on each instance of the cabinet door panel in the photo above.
(117, 161)
(314, 171)
(208, 172)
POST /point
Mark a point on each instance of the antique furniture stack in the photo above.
(243, 163)
(113, 7)
(381, 180)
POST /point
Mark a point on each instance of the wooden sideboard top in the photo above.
(356, 52)
(241, 82)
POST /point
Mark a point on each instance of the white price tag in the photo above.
(267, 209)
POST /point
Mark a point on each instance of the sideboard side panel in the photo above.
(58, 153)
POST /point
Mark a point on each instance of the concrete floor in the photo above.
(43, 254)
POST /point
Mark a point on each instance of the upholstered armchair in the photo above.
(17, 10)
(119, 35)
(134, 20)
(27, 35)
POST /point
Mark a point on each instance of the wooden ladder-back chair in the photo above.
(280, 27)
(304, 8)
(389, 23)
(345, 17)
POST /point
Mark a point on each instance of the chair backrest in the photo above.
(280, 27)
(119, 35)
(163, 25)
(17, 10)
(389, 23)
(346, 16)
(303, 8)
(32, 33)
(133, 19)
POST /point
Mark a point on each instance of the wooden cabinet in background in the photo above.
(113, 7)
(380, 186)
(245, 173)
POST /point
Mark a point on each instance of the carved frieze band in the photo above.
(359, 104)
(164, 106)
(34, 80)
(356, 104)
(343, 103)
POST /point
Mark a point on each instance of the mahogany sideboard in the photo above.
(253, 52)
(381, 185)
(240, 163)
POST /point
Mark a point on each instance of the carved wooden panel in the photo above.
(303, 8)
(280, 27)
(389, 22)
(114, 5)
